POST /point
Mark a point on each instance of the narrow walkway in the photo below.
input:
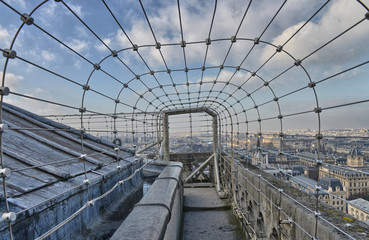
(206, 216)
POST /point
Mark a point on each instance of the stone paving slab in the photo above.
(207, 217)
(203, 199)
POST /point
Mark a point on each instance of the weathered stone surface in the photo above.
(208, 217)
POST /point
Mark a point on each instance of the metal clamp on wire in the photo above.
(5, 172)
(10, 216)
(4, 91)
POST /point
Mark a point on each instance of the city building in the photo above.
(354, 179)
(359, 209)
(332, 192)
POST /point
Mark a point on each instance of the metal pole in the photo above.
(166, 137)
(215, 152)
(148, 146)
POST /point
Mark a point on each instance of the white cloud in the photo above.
(78, 45)
(5, 37)
(34, 106)
(337, 19)
(100, 47)
(12, 81)
(77, 64)
(76, 8)
(19, 3)
(48, 56)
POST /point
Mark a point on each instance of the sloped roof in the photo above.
(44, 158)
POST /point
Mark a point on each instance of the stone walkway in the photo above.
(206, 216)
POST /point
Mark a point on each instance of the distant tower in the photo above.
(355, 158)
(258, 156)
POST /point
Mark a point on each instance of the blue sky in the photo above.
(36, 46)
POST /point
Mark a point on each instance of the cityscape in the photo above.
(252, 116)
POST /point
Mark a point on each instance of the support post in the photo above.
(166, 137)
(215, 152)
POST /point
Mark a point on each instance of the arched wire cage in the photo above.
(282, 70)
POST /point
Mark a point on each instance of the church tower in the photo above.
(355, 158)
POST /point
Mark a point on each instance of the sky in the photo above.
(35, 44)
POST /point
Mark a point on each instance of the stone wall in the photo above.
(261, 207)
(159, 213)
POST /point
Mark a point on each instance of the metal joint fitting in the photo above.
(276, 99)
(9, 53)
(297, 62)
(318, 110)
(233, 39)
(86, 181)
(82, 109)
(5, 172)
(319, 136)
(221, 66)
(152, 72)
(183, 44)
(286, 221)
(253, 74)
(10, 216)
(114, 53)
(317, 214)
(83, 157)
(97, 66)
(116, 149)
(207, 41)
(27, 19)
(157, 45)
(256, 40)
(311, 84)
(280, 116)
(134, 47)
(3, 127)
(279, 48)
(86, 87)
